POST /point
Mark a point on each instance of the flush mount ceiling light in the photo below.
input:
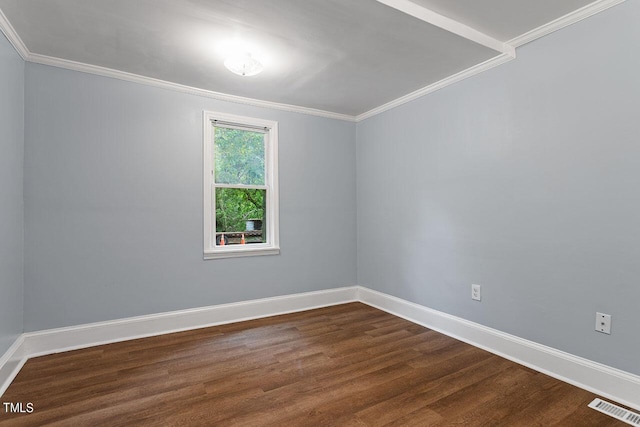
(243, 64)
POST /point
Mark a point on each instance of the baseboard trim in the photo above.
(75, 337)
(11, 362)
(614, 384)
(611, 383)
(40, 343)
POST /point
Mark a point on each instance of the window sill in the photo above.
(241, 252)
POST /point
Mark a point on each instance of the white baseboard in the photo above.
(11, 362)
(33, 344)
(603, 380)
(92, 334)
(617, 385)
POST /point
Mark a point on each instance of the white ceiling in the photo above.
(346, 57)
(503, 19)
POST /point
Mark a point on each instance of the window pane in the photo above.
(240, 213)
(239, 156)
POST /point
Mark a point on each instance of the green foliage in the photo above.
(235, 206)
(239, 156)
(239, 159)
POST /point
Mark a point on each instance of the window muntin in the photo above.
(240, 186)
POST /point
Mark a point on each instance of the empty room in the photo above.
(319, 212)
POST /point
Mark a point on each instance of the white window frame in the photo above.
(272, 244)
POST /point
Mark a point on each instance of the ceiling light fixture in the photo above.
(243, 65)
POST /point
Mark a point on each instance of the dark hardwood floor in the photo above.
(348, 365)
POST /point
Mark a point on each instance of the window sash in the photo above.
(229, 125)
(242, 186)
(214, 231)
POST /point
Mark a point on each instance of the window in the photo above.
(240, 186)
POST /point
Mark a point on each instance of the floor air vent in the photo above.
(615, 411)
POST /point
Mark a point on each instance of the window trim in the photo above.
(272, 246)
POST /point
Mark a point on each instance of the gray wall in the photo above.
(11, 212)
(524, 179)
(113, 201)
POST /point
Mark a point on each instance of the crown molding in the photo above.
(469, 72)
(21, 48)
(429, 16)
(563, 21)
(507, 48)
(7, 29)
(566, 20)
(150, 81)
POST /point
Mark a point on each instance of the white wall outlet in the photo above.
(475, 292)
(603, 323)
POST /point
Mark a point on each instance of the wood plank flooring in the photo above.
(347, 365)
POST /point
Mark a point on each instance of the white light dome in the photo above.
(243, 65)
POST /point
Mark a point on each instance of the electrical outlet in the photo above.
(603, 323)
(475, 292)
